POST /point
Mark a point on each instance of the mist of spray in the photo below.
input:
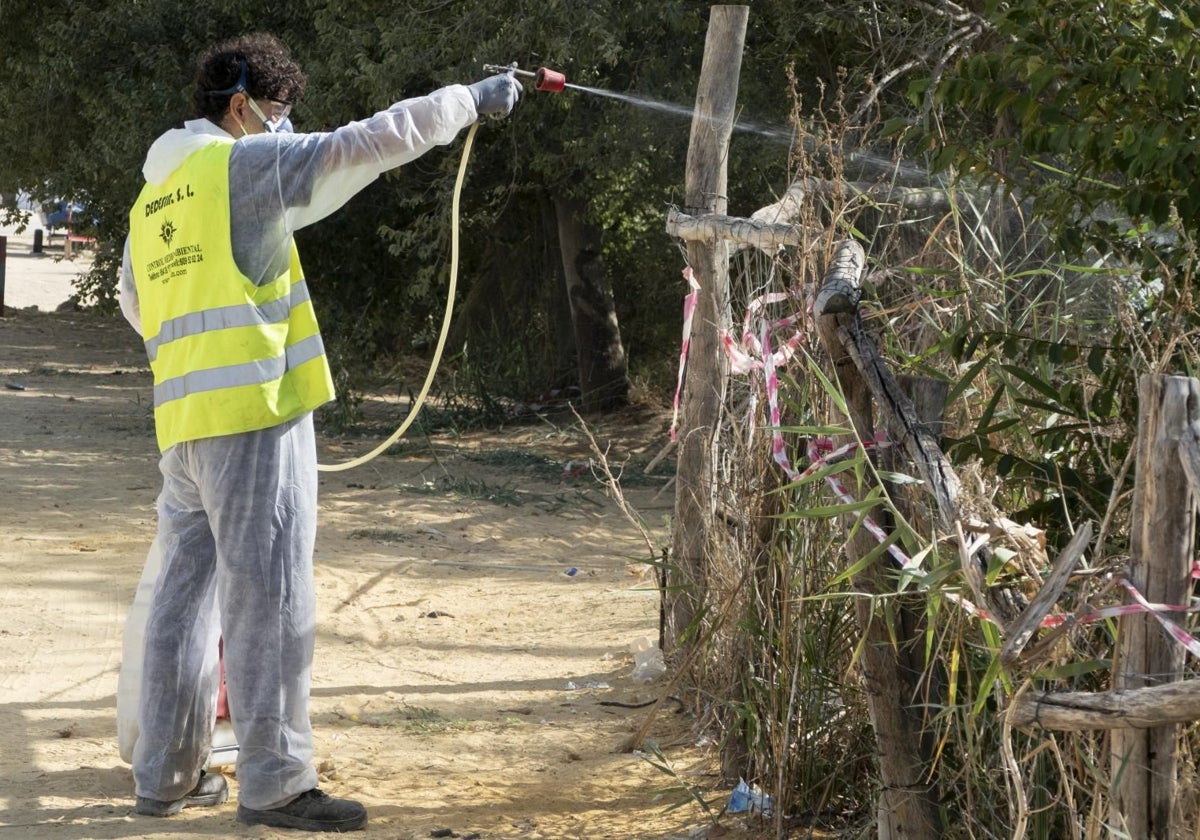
(783, 135)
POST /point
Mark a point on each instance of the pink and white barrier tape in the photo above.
(1190, 643)
(754, 354)
(817, 461)
(689, 311)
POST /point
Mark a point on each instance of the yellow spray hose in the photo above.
(441, 343)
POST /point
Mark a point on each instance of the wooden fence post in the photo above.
(906, 809)
(1161, 543)
(707, 367)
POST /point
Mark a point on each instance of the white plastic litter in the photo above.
(648, 664)
(746, 798)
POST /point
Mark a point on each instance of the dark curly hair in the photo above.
(270, 73)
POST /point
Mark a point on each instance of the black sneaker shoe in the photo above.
(310, 811)
(212, 789)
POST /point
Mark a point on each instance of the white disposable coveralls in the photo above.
(237, 514)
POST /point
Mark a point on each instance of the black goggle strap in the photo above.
(239, 86)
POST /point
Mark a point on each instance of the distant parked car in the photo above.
(61, 214)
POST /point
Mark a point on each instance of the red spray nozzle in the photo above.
(544, 79)
(549, 80)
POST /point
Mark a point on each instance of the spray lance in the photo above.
(545, 79)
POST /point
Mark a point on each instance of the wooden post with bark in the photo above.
(1147, 700)
(707, 372)
(1161, 543)
(890, 672)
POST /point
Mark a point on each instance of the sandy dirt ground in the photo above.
(461, 674)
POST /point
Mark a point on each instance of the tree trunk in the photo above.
(603, 377)
(561, 340)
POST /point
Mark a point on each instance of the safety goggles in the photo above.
(279, 112)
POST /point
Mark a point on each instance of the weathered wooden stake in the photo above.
(1161, 541)
(890, 673)
(740, 232)
(1140, 708)
(707, 368)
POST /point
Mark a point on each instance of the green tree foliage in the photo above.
(557, 146)
(1089, 111)
(87, 84)
(1094, 106)
(93, 83)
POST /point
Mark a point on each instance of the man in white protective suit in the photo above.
(212, 281)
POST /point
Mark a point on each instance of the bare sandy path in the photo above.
(460, 672)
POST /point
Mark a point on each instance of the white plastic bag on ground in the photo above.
(750, 799)
(648, 664)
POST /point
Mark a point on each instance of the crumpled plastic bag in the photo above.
(648, 663)
(749, 799)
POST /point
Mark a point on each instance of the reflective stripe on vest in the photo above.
(228, 355)
(231, 376)
(227, 317)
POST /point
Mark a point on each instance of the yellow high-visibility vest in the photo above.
(228, 356)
